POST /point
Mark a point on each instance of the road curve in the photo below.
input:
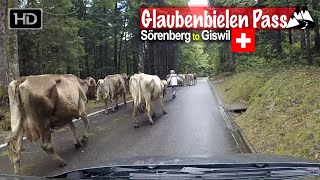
(192, 127)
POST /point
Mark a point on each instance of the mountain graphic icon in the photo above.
(300, 19)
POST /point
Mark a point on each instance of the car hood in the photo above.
(190, 160)
(215, 159)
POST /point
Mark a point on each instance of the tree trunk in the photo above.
(12, 47)
(221, 59)
(95, 60)
(317, 35)
(152, 59)
(115, 40)
(144, 55)
(290, 31)
(167, 59)
(4, 66)
(278, 42)
(115, 48)
(127, 61)
(231, 55)
(308, 48)
(141, 56)
(9, 62)
(290, 36)
(303, 39)
(120, 49)
(316, 28)
(134, 57)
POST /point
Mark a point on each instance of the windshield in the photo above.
(92, 83)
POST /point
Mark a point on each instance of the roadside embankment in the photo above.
(283, 115)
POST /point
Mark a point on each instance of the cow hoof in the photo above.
(84, 140)
(165, 112)
(77, 145)
(63, 163)
(154, 115)
(117, 106)
(152, 123)
(136, 125)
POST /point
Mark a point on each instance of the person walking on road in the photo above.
(173, 82)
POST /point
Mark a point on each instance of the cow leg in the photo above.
(153, 111)
(115, 106)
(162, 105)
(142, 108)
(134, 116)
(85, 136)
(106, 109)
(148, 106)
(46, 145)
(14, 149)
(124, 98)
(76, 141)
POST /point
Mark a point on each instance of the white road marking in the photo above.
(75, 120)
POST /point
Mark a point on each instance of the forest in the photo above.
(100, 37)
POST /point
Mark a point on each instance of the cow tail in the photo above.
(139, 92)
(18, 131)
(14, 135)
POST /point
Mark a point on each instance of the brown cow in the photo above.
(144, 89)
(190, 79)
(181, 79)
(110, 88)
(44, 102)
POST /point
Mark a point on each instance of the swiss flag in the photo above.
(243, 40)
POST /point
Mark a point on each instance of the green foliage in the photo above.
(88, 38)
(178, 3)
(194, 59)
(1, 92)
(4, 118)
(273, 48)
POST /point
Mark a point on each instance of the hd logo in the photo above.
(301, 19)
(25, 18)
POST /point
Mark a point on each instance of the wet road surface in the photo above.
(192, 127)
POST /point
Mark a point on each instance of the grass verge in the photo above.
(4, 118)
(283, 115)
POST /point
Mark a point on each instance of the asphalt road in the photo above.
(192, 127)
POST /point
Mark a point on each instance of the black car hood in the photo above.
(191, 160)
(197, 159)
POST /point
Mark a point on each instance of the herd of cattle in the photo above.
(41, 103)
(186, 79)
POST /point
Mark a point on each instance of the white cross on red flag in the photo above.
(243, 40)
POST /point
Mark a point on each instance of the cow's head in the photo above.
(92, 88)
